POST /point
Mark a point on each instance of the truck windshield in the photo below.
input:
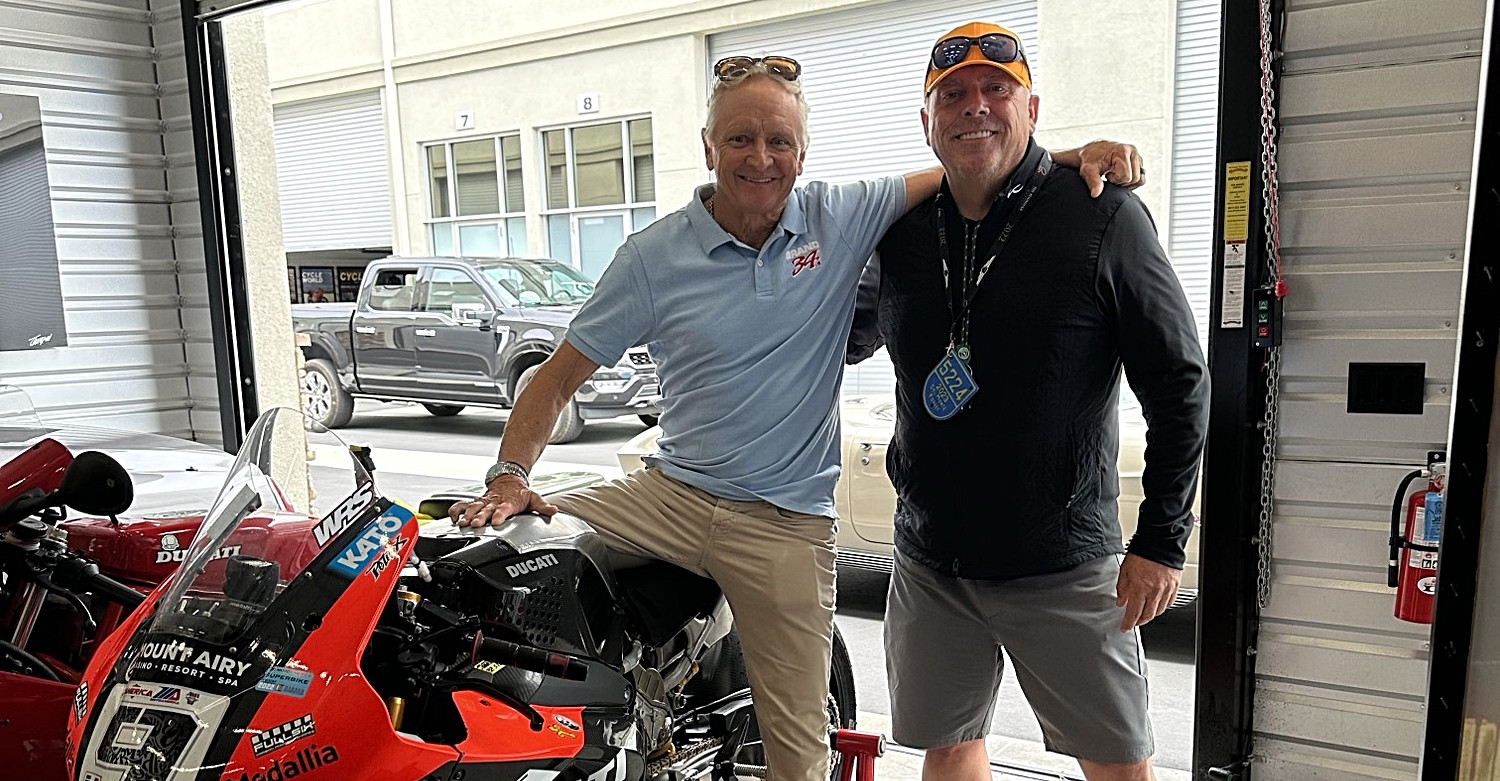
(542, 284)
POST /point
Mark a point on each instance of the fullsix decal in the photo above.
(81, 701)
(282, 735)
(285, 680)
(285, 767)
(366, 548)
(343, 515)
(804, 258)
(179, 658)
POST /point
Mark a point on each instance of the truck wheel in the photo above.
(569, 424)
(444, 410)
(323, 398)
(650, 420)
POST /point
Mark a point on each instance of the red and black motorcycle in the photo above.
(55, 604)
(356, 644)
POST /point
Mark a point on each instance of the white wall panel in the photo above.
(111, 83)
(1377, 118)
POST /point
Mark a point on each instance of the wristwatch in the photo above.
(507, 468)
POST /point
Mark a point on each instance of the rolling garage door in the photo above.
(1377, 115)
(862, 72)
(332, 174)
(112, 85)
(1195, 112)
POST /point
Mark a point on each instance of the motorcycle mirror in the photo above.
(95, 484)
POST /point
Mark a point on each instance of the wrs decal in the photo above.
(282, 735)
(804, 258)
(344, 514)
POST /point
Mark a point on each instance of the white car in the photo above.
(866, 500)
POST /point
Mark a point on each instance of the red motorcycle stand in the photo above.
(859, 750)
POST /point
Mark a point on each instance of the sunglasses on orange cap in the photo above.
(996, 47)
(731, 68)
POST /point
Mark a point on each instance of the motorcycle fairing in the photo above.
(309, 627)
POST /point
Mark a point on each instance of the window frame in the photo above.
(626, 209)
(502, 219)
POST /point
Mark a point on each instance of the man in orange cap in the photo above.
(1010, 302)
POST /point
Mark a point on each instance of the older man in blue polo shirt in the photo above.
(746, 297)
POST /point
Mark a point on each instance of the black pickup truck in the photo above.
(455, 332)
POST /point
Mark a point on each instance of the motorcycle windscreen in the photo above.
(257, 638)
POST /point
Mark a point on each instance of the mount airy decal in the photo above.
(179, 658)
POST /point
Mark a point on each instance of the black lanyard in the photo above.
(1043, 167)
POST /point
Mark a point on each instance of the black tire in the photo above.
(569, 424)
(650, 420)
(444, 410)
(724, 673)
(323, 397)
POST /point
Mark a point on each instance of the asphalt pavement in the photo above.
(417, 454)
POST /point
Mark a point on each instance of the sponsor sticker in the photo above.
(282, 735)
(288, 767)
(81, 701)
(489, 667)
(180, 658)
(285, 680)
(368, 546)
(343, 515)
(566, 722)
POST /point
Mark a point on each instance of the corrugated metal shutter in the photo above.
(113, 92)
(332, 173)
(862, 73)
(1378, 104)
(1195, 109)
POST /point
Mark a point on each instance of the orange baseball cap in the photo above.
(972, 44)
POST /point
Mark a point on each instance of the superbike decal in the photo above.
(179, 658)
(284, 767)
(81, 702)
(285, 680)
(531, 565)
(343, 515)
(367, 547)
(282, 735)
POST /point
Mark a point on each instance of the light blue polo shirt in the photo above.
(749, 345)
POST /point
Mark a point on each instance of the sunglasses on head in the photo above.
(994, 46)
(731, 68)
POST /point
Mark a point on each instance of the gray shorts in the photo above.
(1084, 678)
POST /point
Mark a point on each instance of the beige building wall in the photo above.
(1106, 72)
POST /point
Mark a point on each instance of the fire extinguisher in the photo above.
(1413, 566)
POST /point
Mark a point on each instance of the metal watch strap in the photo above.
(506, 468)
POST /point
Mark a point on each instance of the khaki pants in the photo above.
(776, 569)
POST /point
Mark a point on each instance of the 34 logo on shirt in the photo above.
(804, 257)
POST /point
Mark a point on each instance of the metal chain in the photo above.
(1269, 213)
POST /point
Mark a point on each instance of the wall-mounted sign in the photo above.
(31, 306)
(463, 120)
(349, 280)
(588, 103)
(317, 284)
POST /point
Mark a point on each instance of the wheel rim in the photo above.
(317, 395)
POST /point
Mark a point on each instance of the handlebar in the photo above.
(83, 575)
(528, 658)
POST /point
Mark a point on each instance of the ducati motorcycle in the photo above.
(357, 642)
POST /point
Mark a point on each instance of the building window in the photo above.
(476, 198)
(601, 187)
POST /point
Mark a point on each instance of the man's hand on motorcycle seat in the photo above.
(506, 495)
